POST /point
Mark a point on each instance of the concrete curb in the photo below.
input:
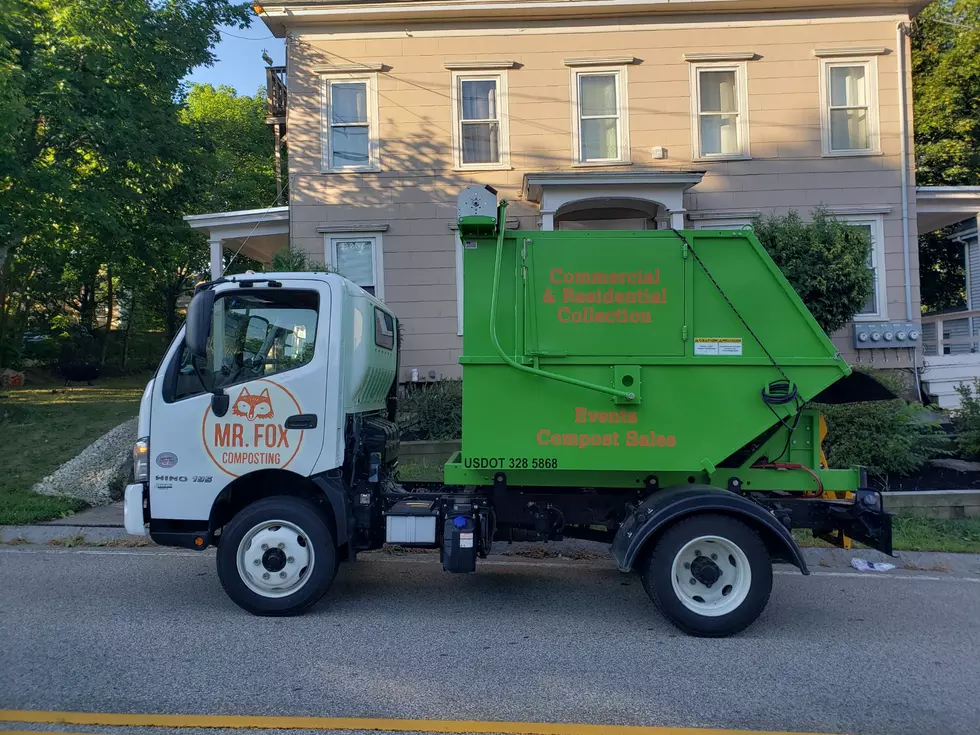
(48, 534)
(570, 550)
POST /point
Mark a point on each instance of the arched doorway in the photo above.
(611, 213)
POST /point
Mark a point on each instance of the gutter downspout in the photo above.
(900, 44)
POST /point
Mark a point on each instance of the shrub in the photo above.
(966, 420)
(431, 411)
(295, 261)
(885, 437)
(826, 262)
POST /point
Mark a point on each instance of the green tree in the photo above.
(236, 148)
(90, 132)
(825, 261)
(946, 91)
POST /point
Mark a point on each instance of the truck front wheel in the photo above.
(710, 575)
(277, 556)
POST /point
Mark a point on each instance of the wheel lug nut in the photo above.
(697, 552)
(256, 562)
(282, 575)
(687, 565)
(290, 559)
(693, 580)
(266, 546)
(714, 556)
(265, 575)
(282, 545)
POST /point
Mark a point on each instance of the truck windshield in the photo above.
(253, 335)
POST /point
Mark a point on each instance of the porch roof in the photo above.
(941, 206)
(255, 233)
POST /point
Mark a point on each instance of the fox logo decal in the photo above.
(253, 406)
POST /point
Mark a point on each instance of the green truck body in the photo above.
(673, 339)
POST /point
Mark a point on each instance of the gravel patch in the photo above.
(99, 473)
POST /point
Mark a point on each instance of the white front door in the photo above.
(267, 354)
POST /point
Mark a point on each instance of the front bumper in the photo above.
(133, 514)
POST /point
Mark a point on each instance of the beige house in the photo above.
(620, 114)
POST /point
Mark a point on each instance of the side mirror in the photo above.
(199, 323)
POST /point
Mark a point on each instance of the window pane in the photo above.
(350, 146)
(718, 91)
(719, 134)
(480, 143)
(599, 140)
(355, 261)
(479, 99)
(849, 130)
(847, 87)
(871, 306)
(348, 102)
(597, 95)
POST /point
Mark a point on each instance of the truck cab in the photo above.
(295, 379)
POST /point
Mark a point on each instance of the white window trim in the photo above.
(377, 252)
(622, 98)
(877, 260)
(741, 95)
(500, 78)
(871, 75)
(374, 142)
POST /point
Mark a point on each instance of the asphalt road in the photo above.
(150, 631)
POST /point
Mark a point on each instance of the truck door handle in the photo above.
(301, 421)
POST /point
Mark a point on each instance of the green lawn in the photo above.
(43, 426)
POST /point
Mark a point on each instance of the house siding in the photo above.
(414, 194)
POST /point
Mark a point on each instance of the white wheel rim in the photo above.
(275, 558)
(711, 576)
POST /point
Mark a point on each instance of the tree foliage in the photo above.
(103, 150)
(826, 262)
(946, 91)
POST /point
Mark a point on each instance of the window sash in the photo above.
(873, 306)
(615, 115)
(362, 142)
(479, 140)
(365, 276)
(834, 135)
(734, 113)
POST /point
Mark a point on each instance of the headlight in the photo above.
(141, 460)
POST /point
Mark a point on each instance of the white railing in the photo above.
(938, 345)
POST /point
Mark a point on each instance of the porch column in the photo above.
(547, 221)
(677, 218)
(217, 265)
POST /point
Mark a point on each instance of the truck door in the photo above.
(268, 354)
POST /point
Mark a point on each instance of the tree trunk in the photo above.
(129, 330)
(108, 318)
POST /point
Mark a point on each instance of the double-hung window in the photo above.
(849, 114)
(358, 258)
(600, 116)
(480, 129)
(720, 111)
(350, 123)
(876, 306)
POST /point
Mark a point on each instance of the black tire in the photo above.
(304, 515)
(656, 572)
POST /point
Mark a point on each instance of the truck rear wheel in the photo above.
(710, 575)
(277, 556)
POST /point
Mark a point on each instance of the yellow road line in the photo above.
(361, 724)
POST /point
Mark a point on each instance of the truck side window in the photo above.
(253, 335)
(384, 329)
